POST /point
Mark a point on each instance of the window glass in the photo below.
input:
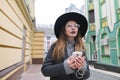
(103, 10)
(90, 1)
(119, 3)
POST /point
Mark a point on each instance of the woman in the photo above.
(60, 64)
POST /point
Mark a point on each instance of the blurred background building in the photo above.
(103, 36)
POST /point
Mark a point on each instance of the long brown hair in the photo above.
(59, 49)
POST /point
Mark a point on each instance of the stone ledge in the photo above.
(106, 67)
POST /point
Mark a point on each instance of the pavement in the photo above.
(34, 73)
(97, 74)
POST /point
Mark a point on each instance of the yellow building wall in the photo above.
(38, 47)
(13, 20)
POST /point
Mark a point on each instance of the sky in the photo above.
(47, 11)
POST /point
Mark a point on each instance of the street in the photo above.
(34, 73)
(97, 74)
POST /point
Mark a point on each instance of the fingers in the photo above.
(79, 62)
(71, 62)
(76, 62)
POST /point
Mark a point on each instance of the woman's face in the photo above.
(71, 29)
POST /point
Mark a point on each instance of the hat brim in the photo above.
(63, 19)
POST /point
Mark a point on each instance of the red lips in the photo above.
(73, 32)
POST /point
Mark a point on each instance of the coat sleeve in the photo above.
(51, 68)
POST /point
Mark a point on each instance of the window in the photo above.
(91, 16)
(107, 50)
(103, 10)
(105, 46)
(48, 37)
(118, 3)
(90, 1)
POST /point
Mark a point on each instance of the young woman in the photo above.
(60, 64)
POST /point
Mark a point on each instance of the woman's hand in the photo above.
(76, 62)
(79, 62)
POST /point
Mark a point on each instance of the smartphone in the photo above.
(77, 53)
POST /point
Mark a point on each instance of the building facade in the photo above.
(103, 36)
(37, 54)
(17, 32)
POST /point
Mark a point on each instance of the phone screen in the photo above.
(77, 53)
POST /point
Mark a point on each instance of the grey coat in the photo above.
(55, 69)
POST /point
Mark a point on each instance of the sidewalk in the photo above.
(34, 73)
(105, 72)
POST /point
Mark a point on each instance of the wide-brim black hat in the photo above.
(77, 17)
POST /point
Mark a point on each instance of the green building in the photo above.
(103, 36)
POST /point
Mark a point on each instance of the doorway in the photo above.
(93, 48)
(118, 36)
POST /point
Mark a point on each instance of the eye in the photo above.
(69, 25)
(74, 25)
(77, 26)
